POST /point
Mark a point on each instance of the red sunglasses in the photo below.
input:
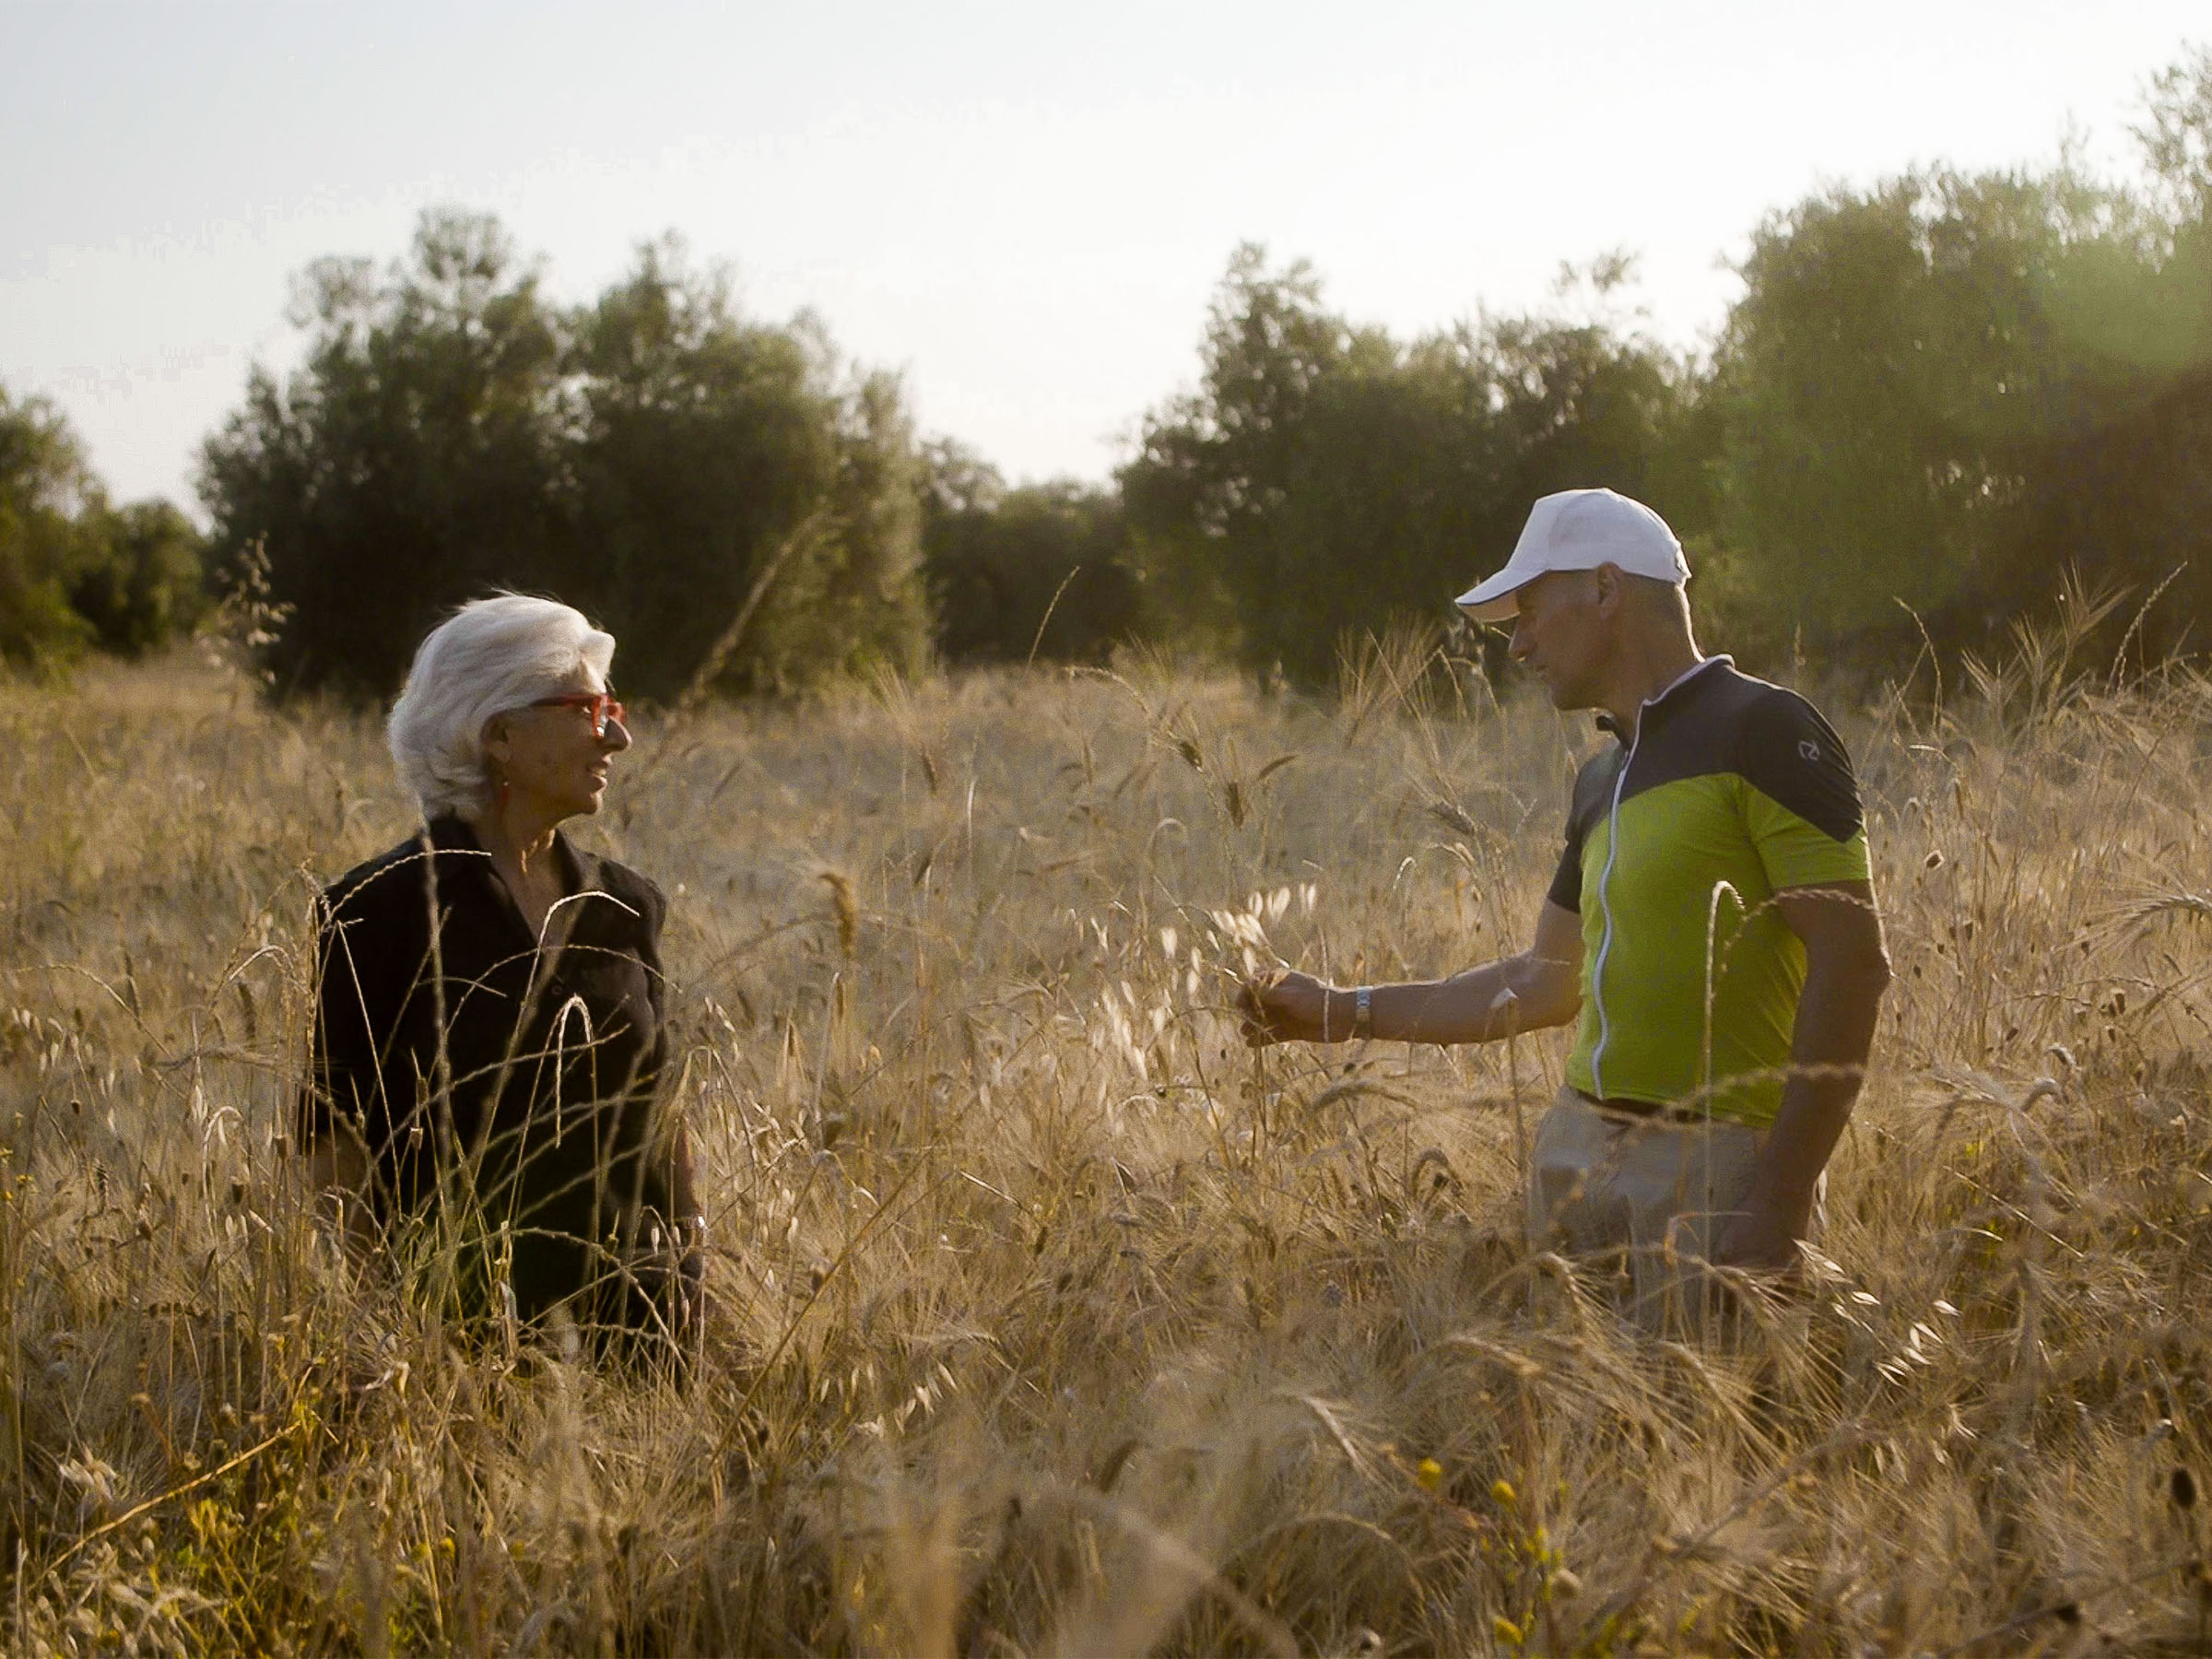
(601, 706)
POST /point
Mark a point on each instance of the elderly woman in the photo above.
(489, 1029)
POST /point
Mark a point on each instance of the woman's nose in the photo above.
(617, 737)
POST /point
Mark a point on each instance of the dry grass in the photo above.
(1050, 1320)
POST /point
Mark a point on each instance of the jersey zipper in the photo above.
(1604, 878)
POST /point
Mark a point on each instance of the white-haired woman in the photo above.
(489, 1033)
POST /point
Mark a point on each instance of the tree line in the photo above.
(1939, 397)
(77, 571)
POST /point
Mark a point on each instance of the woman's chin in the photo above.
(585, 802)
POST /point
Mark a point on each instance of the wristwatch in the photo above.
(1363, 1013)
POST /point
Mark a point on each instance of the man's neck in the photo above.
(1645, 676)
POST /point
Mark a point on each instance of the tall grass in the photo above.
(1048, 1319)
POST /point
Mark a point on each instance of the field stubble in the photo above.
(1048, 1318)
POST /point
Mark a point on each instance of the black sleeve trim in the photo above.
(1590, 786)
(1567, 880)
(1793, 757)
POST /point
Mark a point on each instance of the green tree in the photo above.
(715, 457)
(1326, 479)
(74, 570)
(715, 490)
(2176, 138)
(1943, 392)
(857, 600)
(140, 581)
(2124, 489)
(45, 491)
(1886, 380)
(1014, 573)
(1215, 467)
(411, 461)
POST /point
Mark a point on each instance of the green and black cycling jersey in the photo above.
(1731, 791)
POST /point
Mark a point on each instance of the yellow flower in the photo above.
(1503, 1492)
(1504, 1628)
(1429, 1473)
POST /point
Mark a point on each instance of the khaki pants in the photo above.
(1602, 1183)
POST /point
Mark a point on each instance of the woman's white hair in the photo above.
(490, 656)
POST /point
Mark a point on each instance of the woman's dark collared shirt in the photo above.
(541, 1093)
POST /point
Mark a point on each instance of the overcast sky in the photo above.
(1023, 208)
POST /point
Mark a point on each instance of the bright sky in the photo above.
(1022, 208)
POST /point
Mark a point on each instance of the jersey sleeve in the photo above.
(1802, 805)
(1567, 880)
(1590, 786)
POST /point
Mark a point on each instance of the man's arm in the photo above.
(1847, 969)
(1542, 986)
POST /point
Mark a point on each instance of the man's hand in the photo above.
(1760, 1240)
(1288, 1008)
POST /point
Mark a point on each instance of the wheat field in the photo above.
(1048, 1318)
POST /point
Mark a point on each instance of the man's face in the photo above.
(1560, 636)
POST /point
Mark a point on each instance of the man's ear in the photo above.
(1608, 590)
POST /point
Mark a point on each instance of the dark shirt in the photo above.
(471, 1064)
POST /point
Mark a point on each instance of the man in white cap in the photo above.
(1712, 923)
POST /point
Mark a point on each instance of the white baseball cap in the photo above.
(1578, 530)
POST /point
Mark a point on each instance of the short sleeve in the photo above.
(1592, 785)
(1802, 805)
(1567, 880)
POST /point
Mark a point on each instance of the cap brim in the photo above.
(1494, 600)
